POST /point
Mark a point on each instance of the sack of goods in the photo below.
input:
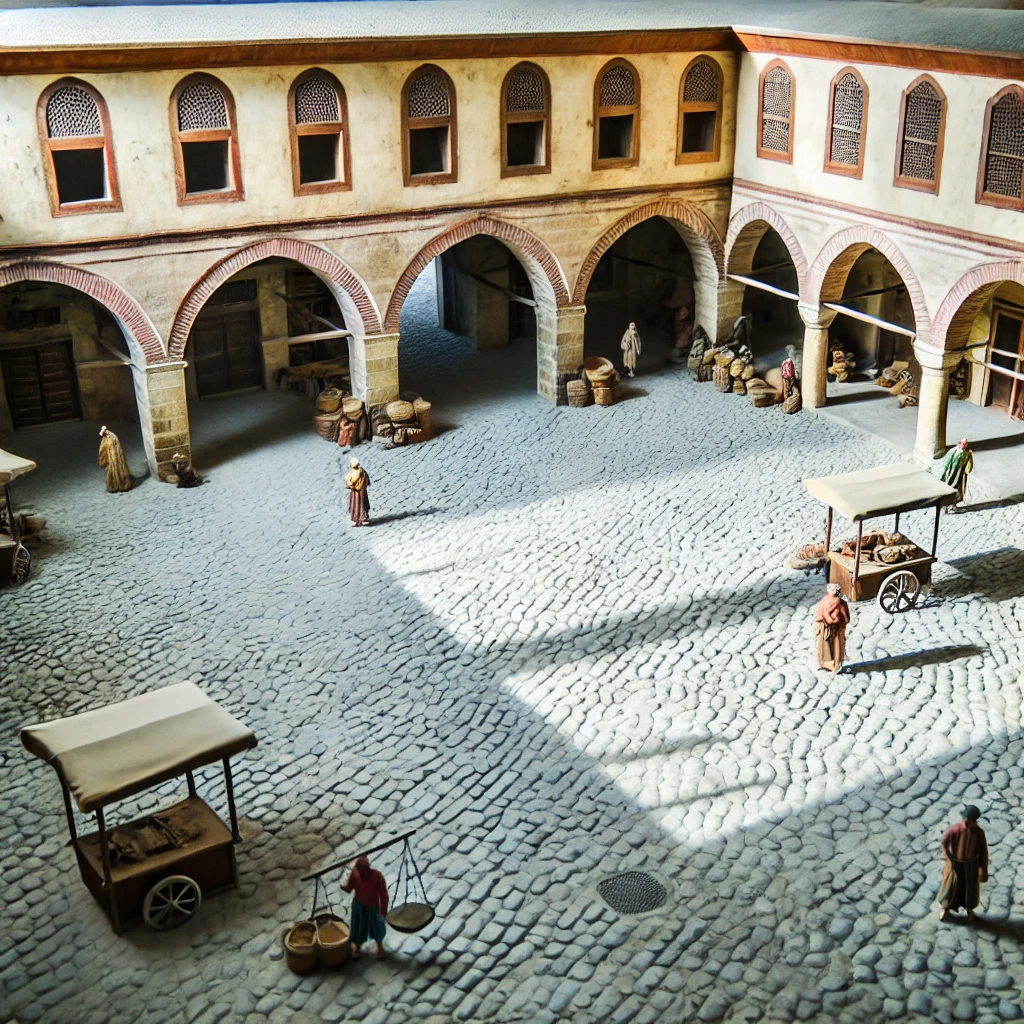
(352, 408)
(721, 377)
(330, 400)
(603, 396)
(578, 393)
(326, 425)
(400, 412)
(761, 394)
(381, 424)
(422, 409)
(599, 371)
(794, 402)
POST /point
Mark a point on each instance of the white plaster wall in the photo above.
(138, 105)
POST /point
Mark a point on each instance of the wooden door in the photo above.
(1006, 338)
(40, 384)
(225, 347)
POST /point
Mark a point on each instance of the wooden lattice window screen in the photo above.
(700, 112)
(1002, 178)
(429, 128)
(525, 122)
(207, 164)
(320, 149)
(775, 128)
(847, 124)
(616, 116)
(922, 123)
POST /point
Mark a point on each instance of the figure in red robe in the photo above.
(830, 621)
(369, 905)
(966, 865)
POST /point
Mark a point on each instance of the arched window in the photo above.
(847, 124)
(922, 124)
(700, 112)
(525, 122)
(429, 133)
(777, 91)
(318, 117)
(616, 116)
(78, 152)
(1001, 178)
(206, 162)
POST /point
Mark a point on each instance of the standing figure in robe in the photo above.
(113, 461)
(955, 470)
(630, 346)
(369, 906)
(830, 621)
(966, 865)
(357, 483)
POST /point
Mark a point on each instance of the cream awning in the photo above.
(12, 466)
(114, 752)
(882, 491)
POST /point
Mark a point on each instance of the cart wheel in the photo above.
(899, 592)
(172, 901)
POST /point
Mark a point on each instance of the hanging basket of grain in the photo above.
(329, 400)
(401, 412)
(603, 396)
(598, 370)
(332, 940)
(721, 377)
(352, 409)
(578, 393)
(326, 425)
(300, 947)
(421, 407)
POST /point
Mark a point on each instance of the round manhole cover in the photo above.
(632, 892)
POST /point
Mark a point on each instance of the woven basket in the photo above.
(332, 940)
(721, 377)
(300, 952)
(598, 369)
(422, 409)
(400, 412)
(578, 393)
(329, 400)
(326, 425)
(603, 396)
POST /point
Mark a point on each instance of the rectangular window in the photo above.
(81, 175)
(524, 143)
(318, 158)
(206, 166)
(615, 138)
(699, 131)
(428, 150)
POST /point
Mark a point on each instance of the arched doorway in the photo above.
(774, 319)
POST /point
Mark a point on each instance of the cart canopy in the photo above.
(882, 491)
(114, 752)
(12, 466)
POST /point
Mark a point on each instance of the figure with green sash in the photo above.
(955, 470)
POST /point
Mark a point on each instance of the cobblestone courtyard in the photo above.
(567, 647)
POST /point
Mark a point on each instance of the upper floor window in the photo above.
(922, 122)
(78, 153)
(429, 127)
(617, 116)
(775, 116)
(207, 166)
(847, 124)
(1001, 180)
(320, 152)
(700, 112)
(525, 122)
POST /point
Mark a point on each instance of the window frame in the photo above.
(715, 153)
(521, 117)
(339, 128)
(607, 163)
(451, 121)
(236, 192)
(906, 181)
(982, 197)
(775, 154)
(112, 202)
(846, 170)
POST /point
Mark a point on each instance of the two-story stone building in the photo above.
(192, 203)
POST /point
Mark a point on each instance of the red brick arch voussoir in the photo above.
(524, 244)
(744, 235)
(313, 257)
(143, 340)
(953, 321)
(683, 213)
(833, 263)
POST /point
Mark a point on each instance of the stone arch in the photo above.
(834, 262)
(542, 268)
(747, 228)
(358, 307)
(693, 225)
(956, 313)
(143, 341)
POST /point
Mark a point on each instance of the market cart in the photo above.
(870, 494)
(159, 865)
(15, 560)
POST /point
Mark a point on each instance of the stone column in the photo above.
(163, 414)
(932, 402)
(559, 347)
(813, 377)
(728, 297)
(373, 365)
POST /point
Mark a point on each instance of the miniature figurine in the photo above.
(955, 470)
(113, 461)
(788, 375)
(369, 905)
(683, 331)
(357, 483)
(187, 476)
(630, 346)
(966, 865)
(830, 621)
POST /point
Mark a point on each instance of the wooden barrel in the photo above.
(603, 396)
(578, 393)
(422, 409)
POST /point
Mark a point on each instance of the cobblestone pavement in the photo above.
(566, 648)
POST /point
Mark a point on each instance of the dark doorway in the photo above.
(774, 321)
(41, 384)
(225, 341)
(1006, 338)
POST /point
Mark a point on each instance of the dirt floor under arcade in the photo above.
(566, 648)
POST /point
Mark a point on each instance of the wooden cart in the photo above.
(15, 560)
(870, 494)
(157, 866)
